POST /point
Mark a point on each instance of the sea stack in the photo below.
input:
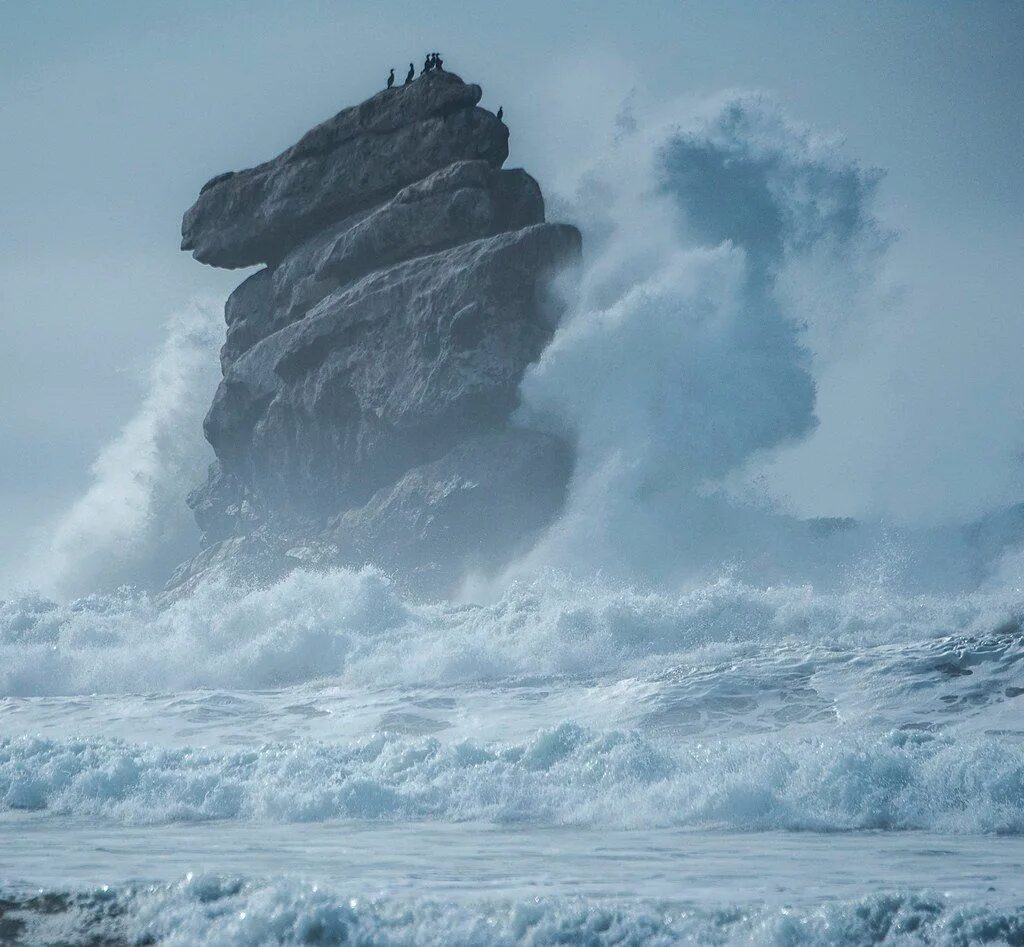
(372, 365)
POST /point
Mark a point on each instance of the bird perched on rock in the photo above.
(411, 74)
(391, 78)
(501, 113)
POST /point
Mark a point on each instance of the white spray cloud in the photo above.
(132, 524)
(710, 247)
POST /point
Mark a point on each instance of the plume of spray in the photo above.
(711, 247)
(132, 525)
(727, 257)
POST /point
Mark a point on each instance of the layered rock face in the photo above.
(371, 367)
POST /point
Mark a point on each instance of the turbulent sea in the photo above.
(323, 762)
(746, 728)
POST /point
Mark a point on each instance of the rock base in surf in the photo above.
(371, 367)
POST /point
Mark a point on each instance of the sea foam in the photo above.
(209, 909)
(563, 775)
(355, 627)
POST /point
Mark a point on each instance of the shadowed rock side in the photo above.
(372, 367)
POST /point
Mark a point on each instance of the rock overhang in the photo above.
(353, 160)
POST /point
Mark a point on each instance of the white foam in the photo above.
(565, 775)
(354, 627)
(219, 910)
(132, 524)
(710, 245)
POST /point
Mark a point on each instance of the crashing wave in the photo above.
(356, 627)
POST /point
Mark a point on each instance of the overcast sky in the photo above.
(115, 112)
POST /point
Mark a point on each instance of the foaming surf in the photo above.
(565, 775)
(355, 628)
(209, 909)
(728, 706)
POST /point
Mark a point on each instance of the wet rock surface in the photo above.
(371, 368)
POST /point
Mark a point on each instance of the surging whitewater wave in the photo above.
(353, 628)
(717, 253)
(730, 706)
(132, 524)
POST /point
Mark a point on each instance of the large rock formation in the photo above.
(371, 367)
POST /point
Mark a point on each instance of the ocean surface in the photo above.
(323, 761)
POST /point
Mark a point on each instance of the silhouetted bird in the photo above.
(391, 79)
(411, 74)
(428, 64)
(501, 112)
(438, 62)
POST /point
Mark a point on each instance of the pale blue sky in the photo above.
(115, 112)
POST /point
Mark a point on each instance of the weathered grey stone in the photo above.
(252, 559)
(249, 386)
(358, 158)
(250, 316)
(485, 499)
(222, 506)
(465, 201)
(297, 287)
(390, 372)
(462, 202)
(372, 368)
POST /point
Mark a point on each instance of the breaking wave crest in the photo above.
(354, 627)
(132, 523)
(724, 253)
